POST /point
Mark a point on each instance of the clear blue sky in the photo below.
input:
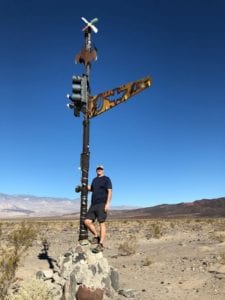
(165, 145)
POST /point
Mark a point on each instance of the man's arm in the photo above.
(109, 196)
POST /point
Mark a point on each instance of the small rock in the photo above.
(40, 275)
(79, 249)
(128, 293)
(67, 254)
(114, 276)
(48, 274)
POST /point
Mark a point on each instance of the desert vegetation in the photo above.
(15, 240)
(161, 258)
(16, 237)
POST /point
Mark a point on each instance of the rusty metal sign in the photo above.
(109, 99)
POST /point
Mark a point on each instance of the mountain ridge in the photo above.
(24, 205)
(199, 208)
(34, 206)
(12, 206)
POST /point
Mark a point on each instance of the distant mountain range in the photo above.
(32, 206)
(198, 208)
(13, 206)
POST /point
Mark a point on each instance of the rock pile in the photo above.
(82, 275)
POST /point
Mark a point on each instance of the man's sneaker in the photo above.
(95, 240)
(98, 249)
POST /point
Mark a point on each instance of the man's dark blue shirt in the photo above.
(99, 188)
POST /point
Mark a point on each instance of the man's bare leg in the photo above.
(102, 232)
(90, 225)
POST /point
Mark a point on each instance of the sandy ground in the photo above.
(158, 259)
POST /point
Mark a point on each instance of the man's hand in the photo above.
(106, 207)
(108, 200)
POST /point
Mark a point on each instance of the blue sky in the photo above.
(165, 145)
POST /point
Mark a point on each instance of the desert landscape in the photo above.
(156, 258)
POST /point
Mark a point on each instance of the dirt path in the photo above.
(159, 259)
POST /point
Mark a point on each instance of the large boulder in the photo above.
(85, 293)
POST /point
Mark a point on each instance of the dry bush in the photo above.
(33, 290)
(146, 262)
(15, 243)
(157, 231)
(128, 247)
(220, 236)
(172, 225)
(8, 264)
(222, 259)
(23, 237)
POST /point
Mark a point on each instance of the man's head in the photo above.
(100, 170)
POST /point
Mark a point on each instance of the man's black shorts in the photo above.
(97, 211)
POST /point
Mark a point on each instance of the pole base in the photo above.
(83, 242)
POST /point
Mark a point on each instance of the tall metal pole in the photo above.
(85, 155)
(88, 105)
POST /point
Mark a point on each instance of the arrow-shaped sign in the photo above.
(109, 99)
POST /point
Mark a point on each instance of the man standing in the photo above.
(101, 189)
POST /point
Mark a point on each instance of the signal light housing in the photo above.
(79, 94)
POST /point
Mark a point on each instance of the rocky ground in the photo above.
(156, 259)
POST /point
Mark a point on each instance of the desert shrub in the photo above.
(198, 220)
(172, 225)
(146, 262)
(157, 233)
(128, 247)
(22, 237)
(33, 290)
(220, 236)
(71, 224)
(209, 221)
(222, 258)
(8, 263)
(17, 242)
